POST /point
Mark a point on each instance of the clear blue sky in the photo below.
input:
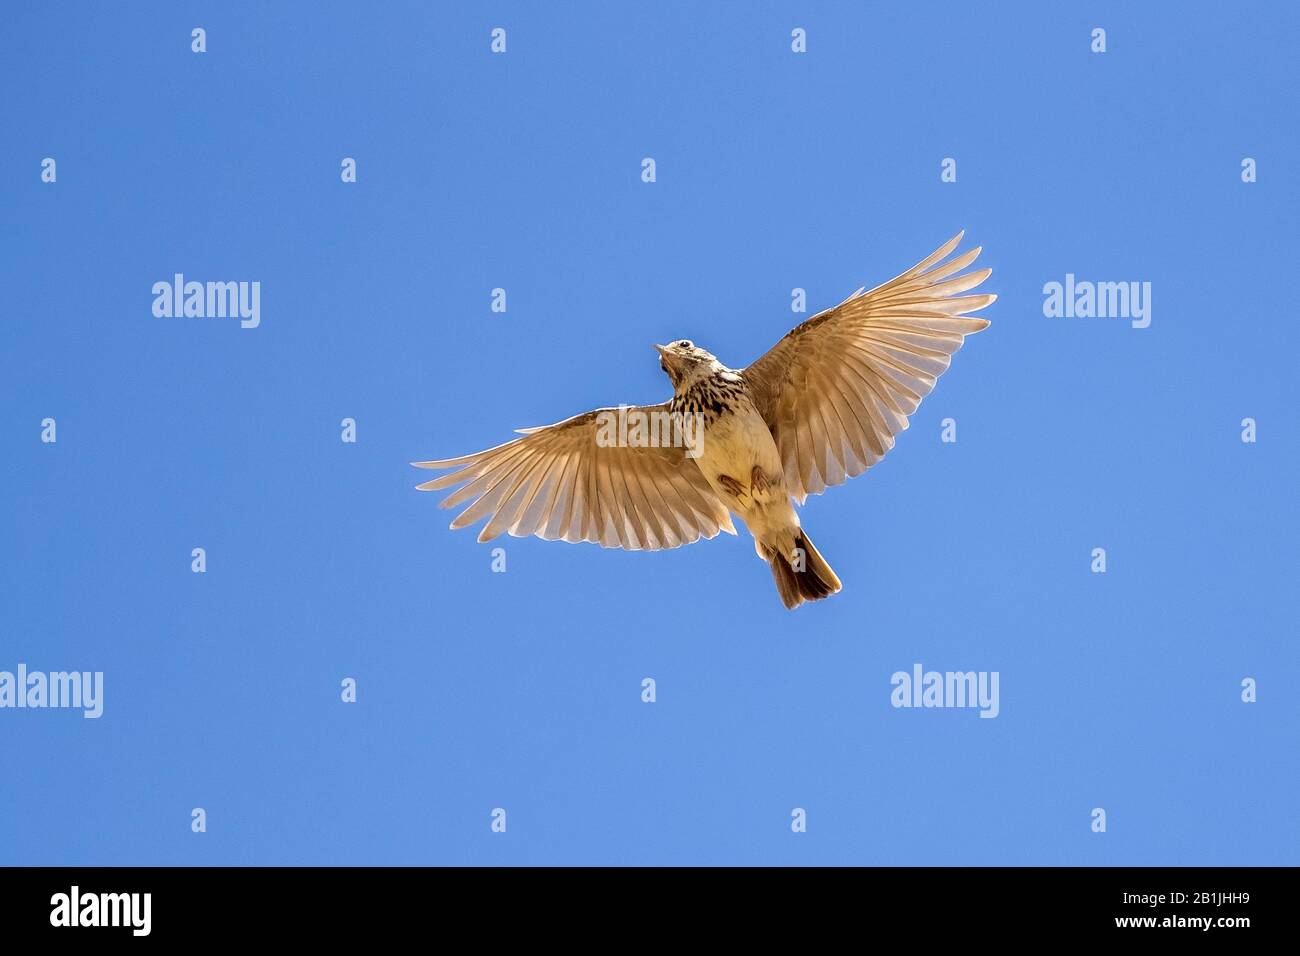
(522, 690)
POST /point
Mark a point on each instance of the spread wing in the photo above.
(839, 387)
(565, 481)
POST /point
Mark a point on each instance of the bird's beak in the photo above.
(669, 362)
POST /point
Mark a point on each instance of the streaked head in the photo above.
(683, 360)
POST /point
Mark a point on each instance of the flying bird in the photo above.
(823, 405)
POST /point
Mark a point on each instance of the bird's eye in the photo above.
(684, 344)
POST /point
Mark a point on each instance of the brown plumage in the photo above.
(823, 405)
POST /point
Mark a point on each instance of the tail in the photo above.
(808, 578)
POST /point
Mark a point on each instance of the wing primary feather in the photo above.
(508, 513)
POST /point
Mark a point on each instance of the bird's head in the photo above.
(684, 361)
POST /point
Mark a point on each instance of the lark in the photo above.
(821, 406)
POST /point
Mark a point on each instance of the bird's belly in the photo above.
(735, 447)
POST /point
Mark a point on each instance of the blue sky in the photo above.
(521, 690)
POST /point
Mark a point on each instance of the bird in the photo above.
(823, 405)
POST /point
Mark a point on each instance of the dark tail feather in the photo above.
(811, 582)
